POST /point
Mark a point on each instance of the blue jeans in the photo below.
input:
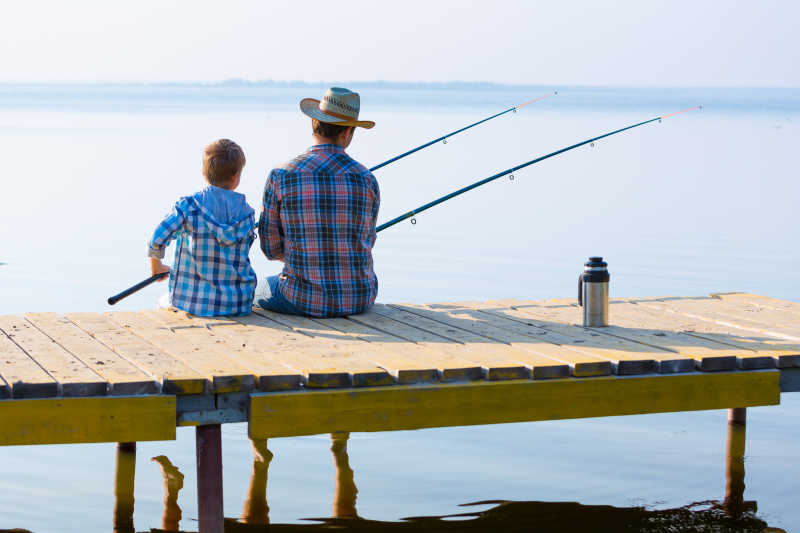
(274, 300)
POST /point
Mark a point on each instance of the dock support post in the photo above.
(124, 474)
(209, 478)
(344, 498)
(734, 461)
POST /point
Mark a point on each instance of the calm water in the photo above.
(702, 202)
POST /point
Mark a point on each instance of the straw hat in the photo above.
(339, 106)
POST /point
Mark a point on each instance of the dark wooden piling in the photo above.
(209, 478)
(734, 461)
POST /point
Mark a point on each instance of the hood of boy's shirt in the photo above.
(225, 213)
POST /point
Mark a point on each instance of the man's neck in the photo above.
(319, 139)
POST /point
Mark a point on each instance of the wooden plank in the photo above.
(501, 360)
(404, 369)
(715, 310)
(758, 300)
(72, 374)
(175, 377)
(641, 328)
(450, 368)
(749, 355)
(322, 356)
(489, 355)
(22, 374)
(5, 388)
(225, 375)
(412, 407)
(533, 340)
(80, 420)
(628, 358)
(270, 375)
(122, 376)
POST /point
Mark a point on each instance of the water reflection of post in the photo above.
(344, 499)
(124, 474)
(734, 471)
(256, 510)
(173, 483)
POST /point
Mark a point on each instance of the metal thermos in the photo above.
(593, 292)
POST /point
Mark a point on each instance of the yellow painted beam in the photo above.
(283, 414)
(79, 420)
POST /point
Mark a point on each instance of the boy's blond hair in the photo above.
(222, 159)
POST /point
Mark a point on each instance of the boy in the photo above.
(214, 229)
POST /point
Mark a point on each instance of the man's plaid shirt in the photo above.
(211, 274)
(319, 219)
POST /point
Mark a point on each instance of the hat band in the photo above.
(337, 115)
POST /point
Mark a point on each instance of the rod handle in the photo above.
(139, 286)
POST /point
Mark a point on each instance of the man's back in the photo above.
(319, 217)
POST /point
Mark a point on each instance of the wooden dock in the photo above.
(130, 376)
(135, 376)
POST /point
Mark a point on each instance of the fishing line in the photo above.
(444, 138)
(484, 181)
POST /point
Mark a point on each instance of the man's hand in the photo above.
(157, 267)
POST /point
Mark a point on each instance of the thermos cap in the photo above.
(595, 263)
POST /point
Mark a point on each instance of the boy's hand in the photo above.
(157, 267)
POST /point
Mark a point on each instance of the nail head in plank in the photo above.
(351, 357)
(123, 377)
(25, 377)
(176, 377)
(450, 368)
(225, 375)
(403, 368)
(501, 361)
(73, 376)
(543, 345)
(270, 375)
(627, 357)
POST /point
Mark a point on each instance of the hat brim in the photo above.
(310, 107)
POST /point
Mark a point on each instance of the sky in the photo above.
(630, 43)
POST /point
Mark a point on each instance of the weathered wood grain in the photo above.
(175, 377)
(122, 376)
(536, 341)
(26, 378)
(404, 369)
(225, 375)
(494, 367)
(633, 325)
(270, 374)
(628, 358)
(726, 314)
(73, 376)
(322, 360)
(405, 354)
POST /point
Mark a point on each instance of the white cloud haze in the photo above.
(654, 43)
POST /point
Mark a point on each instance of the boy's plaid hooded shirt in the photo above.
(211, 274)
(319, 218)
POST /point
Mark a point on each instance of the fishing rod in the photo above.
(139, 286)
(484, 181)
(445, 137)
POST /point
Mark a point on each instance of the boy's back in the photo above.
(214, 229)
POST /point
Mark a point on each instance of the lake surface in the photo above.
(702, 202)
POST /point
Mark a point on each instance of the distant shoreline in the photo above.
(381, 84)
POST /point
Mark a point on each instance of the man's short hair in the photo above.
(326, 129)
(222, 159)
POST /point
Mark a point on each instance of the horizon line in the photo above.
(378, 84)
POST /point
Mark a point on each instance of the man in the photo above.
(319, 218)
